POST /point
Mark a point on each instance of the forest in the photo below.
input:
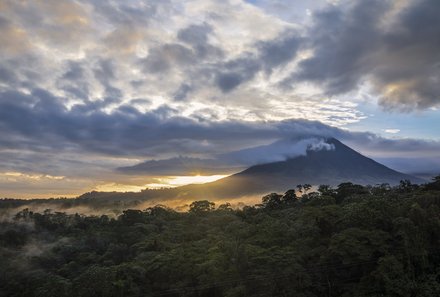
(350, 240)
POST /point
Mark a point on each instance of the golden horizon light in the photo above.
(162, 182)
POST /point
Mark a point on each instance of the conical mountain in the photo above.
(331, 164)
(326, 166)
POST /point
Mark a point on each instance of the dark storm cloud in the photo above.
(206, 63)
(279, 51)
(40, 121)
(399, 55)
(74, 72)
(7, 76)
(167, 56)
(74, 80)
(191, 54)
(78, 79)
(19, 72)
(197, 36)
(237, 71)
(270, 54)
(414, 57)
(105, 71)
(341, 41)
(230, 80)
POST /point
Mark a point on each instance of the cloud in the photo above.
(280, 51)
(42, 137)
(377, 146)
(123, 40)
(204, 58)
(25, 185)
(181, 166)
(14, 39)
(340, 40)
(40, 121)
(197, 36)
(296, 139)
(88, 86)
(162, 59)
(293, 11)
(392, 131)
(271, 54)
(281, 150)
(391, 46)
(231, 162)
(66, 23)
(420, 166)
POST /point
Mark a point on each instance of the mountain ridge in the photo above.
(327, 165)
(324, 166)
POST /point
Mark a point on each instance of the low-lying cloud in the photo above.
(187, 83)
(231, 162)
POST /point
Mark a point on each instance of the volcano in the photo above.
(331, 164)
(318, 167)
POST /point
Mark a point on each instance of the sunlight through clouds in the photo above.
(90, 86)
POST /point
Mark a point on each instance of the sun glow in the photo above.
(117, 187)
(176, 181)
(159, 182)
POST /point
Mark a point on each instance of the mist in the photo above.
(231, 162)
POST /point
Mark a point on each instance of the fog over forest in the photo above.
(220, 148)
(350, 240)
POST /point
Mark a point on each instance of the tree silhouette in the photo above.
(201, 206)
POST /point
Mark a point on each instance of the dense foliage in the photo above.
(347, 241)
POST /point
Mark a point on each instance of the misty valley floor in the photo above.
(348, 241)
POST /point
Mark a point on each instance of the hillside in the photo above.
(349, 241)
(329, 167)
(317, 167)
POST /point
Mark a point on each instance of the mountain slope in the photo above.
(323, 166)
(330, 167)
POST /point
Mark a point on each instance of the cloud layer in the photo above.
(232, 162)
(89, 86)
(392, 46)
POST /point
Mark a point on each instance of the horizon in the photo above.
(313, 145)
(122, 96)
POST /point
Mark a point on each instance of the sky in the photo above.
(123, 95)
